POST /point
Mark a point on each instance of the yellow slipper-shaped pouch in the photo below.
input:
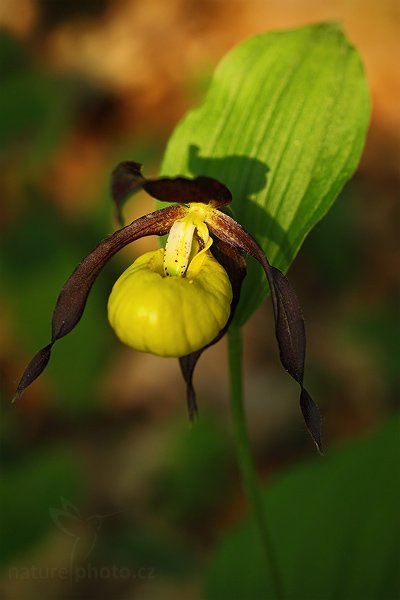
(170, 316)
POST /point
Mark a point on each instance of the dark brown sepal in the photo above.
(235, 266)
(127, 178)
(72, 299)
(183, 190)
(289, 322)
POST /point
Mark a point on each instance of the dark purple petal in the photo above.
(72, 299)
(289, 322)
(127, 178)
(235, 266)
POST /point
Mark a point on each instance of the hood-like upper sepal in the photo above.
(235, 266)
(182, 190)
(72, 299)
(289, 322)
(127, 179)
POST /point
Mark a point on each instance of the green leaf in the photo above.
(335, 526)
(283, 126)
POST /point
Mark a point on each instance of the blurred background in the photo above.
(100, 467)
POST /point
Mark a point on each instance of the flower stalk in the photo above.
(245, 461)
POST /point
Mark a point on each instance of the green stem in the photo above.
(245, 459)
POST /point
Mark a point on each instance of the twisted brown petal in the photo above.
(127, 178)
(72, 299)
(235, 265)
(289, 322)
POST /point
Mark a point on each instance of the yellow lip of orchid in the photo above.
(170, 316)
(175, 301)
(179, 301)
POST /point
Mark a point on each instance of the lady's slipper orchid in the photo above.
(179, 300)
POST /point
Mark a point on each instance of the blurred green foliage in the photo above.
(134, 544)
(335, 525)
(197, 467)
(334, 245)
(27, 493)
(35, 107)
(40, 248)
(377, 330)
(42, 252)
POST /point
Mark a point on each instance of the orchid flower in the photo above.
(180, 300)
